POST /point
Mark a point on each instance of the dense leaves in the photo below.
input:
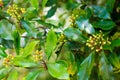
(59, 39)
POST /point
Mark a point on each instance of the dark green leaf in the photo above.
(115, 43)
(74, 34)
(6, 2)
(32, 75)
(88, 12)
(51, 12)
(83, 24)
(110, 5)
(103, 67)
(13, 75)
(44, 2)
(105, 24)
(86, 67)
(6, 43)
(101, 12)
(51, 2)
(16, 37)
(35, 3)
(58, 70)
(51, 42)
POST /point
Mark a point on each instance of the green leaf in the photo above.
(115, 43)
(44, 2)
(51, 2)
(105, 24)
(28, 50)
(21, 62)
(4, 72)
(58, 70)
(13, 75)
(16, 37)
(51, 12)
(101, 12)
(110, 5)
(35, 3)
(31, 13)
(83, 24)
(29, 29)
(6, 2)
(49, 25)
(51, 42)
(86, 67)
(88, 12)
(6, 43)
(32, 75)
(6, 30)
(2, 52)
(74, 34)
(103, 67)
(114, 59)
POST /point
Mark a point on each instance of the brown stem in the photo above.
(45, 65)
(31, 37)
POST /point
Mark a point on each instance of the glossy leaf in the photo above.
(5, 30)
(105, 24)
(51, 42)
(16, 37)
(103, 67)
(35, 3)
(32, 75)
(44, 2)
(13, 75)
(21, 62)
(28, 50)
(51, 12)
(58, 70)
(85, 68)
(83, 24)
(101, 12)
(74, 34)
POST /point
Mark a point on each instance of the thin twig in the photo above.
(31, 37)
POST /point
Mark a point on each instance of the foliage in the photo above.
(59, 39)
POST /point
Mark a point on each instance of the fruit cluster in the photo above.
(38, 55)
(61, 38)
(72, 19)
(97, 41)
(8, 61)
(15, 12)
